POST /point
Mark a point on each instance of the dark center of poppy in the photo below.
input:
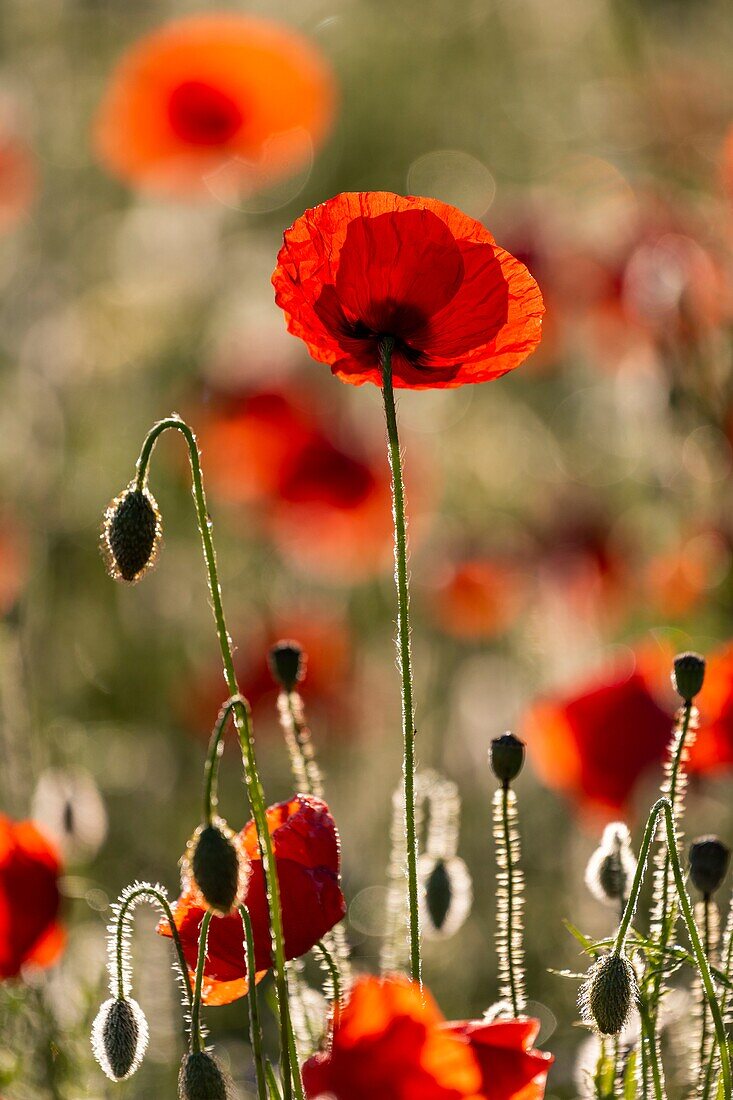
(396, 321)
(202, 114)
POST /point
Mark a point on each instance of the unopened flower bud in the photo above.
(608, 994)
(201, 1078)
(120, 1037)
(131, 534)
(218, 866)
(709, 859)
(287, 664)
(612, 866)
(446, 895)
(507, 757)
(688, 675)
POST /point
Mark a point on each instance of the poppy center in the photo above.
(202, 114)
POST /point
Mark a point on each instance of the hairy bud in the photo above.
(507, 757)
(201, 1078)
(688, 675)
(218, 866)
(287, 663)
(120, 1037)
(446, 895)
(131, 534)
(608, 994)
(612, 866)
(709, 859)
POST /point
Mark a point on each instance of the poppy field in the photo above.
(366, 550)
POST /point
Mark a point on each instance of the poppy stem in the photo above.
(510, 886)
(213, 756)
(255, 1026)
(242, 721)
(335, 978)
(144, 892)
(196, 1037)
(386, 346)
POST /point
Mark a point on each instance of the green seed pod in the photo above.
(131, 534)
(608, 994)
(120, 1037)
(709, 859)
(611, 868)
(688, 675)
(201, 1078)
(287, 664)
(507, 757)
(218, 866)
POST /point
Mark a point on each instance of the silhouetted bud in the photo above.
(446, 894)
(201, 1078)
(119, 1037)
(507, 757)
(218, 866)
(612, 866)
(131, 534)
(709, 859)
(688, 675)
(608, 994)
(287, 664)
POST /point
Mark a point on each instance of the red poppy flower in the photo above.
(30, 933)
(307, 857)
(476, 599)
(510, 1068)
(17, 180)
(13, 563)
(367, 265)
(389, 1043)
(595, 742)
(713, 748)
(214, 93)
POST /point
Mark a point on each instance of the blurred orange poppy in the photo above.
(17, 180)
(476, 599)
(13, 563)
(30, 932)
(713, 748)
(214, 93)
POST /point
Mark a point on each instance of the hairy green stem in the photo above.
(149, 893)
(517, 1007)
(242, 721)
(213, 756)
(403, 644)
(196, 1039)
(255, 1026)
(335, 976)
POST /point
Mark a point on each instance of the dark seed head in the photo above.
(287, 664)
(507, 757)
(131, 534)
(438, 894)
(218, 867)
(688, 675)
(609, 994)
(201, 1078)
(709, 859)
(119, 1037)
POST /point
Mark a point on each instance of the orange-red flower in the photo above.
(713, 748)
(510, 1068)
(368, 265)
(223, 93)
(307, 856)
(17, 180)
(30, 932)
(476, 599)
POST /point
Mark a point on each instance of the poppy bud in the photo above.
(201, 1078)
(688, 675)
(287, 664)
(507, 757)
(131, 533)
(218, 866)
(446, 894)
(612, 866)
(709, 859)
(120, 1037)
(608, 994)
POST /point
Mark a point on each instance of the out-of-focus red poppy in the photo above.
(510, 1068)
(677, 580)
(13, 563)
(17, 180)
(324, 639)
(214, 93)
(595, 741)
(367, 265)
(307, 856)
(476, 599)
(713, 748)
(389, 1043)
(30, 932)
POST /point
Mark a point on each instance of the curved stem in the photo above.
(196, 1040)
(255, 1027)
(510, 961)
(242, 721)
(335, 976)
(213, 756)
(403, 645)
(149, 893)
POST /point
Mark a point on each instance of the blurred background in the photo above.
(571, 525)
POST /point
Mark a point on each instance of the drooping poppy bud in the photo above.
(287, 663)
(218, 866)
(507, 757)
(446, 895)
(612, 866)
(688, 675)
(608, 994)
(201, 1078)
(709, 859)
(120, 1037)
(131, 534)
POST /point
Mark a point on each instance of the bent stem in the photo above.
(196, 1038)
(335, 978)
(151, 894)
(255, 1027)
(242, 721)
(403, 647)
(213, 756)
